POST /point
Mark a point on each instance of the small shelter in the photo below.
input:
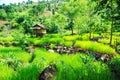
(39, 30)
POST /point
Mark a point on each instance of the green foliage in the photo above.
(115, 65)
(106, 41)
(3, 14)
(29, 72)
(36, 9)
(56, 40)
(68, 44)
(52, 46)
(76, 67)
(21, 38)
(94, 46)
(82, 16)
(71, 38)
(15, 53)
(8, 39)
(5, 72)
(10, 49)
(88, 71)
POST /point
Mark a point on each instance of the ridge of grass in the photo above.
(94, 46)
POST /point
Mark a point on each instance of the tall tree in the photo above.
(110, 12)
(70, 10)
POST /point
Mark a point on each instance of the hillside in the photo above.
(60, 40)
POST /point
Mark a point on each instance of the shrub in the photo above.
(52, 46)
(115, 65)
(94, 46)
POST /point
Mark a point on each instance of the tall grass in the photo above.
(7, 39)
(71, 38)
(74, 67)
(81, 67)
(29, 72)
(115, 66)
(5, 72)
(94, 46)
(15, 53)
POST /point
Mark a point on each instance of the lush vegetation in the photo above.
(82, 40)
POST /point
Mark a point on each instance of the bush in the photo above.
(115, 65)
(94, 46)
(3, 14)
(52, 46)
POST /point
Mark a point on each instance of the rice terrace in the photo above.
(59, 39)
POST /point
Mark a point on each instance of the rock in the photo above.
(59, 47)
(105, 57)
(64, 48)
(48, 73)
(58, 50)
(50, 50)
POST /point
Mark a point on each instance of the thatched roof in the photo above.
(38, 26)
(3, 22)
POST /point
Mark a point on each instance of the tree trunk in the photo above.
(72, 30)
(78, 30)
(90, 34)
(111, 30)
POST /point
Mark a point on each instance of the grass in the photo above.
(71, 38)
(74, 67)
(68, 43)
(5, 72)
(8, 39)
(15, 53)
(44, 57)
(46, 39)
(29, 72)
(52, 46)
(115, 65)
(95, 47)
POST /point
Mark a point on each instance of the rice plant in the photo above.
(94, 46)
(5, 72)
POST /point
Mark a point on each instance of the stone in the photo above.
(50, 50)
(48, 73)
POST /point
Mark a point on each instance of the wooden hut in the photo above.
(39, 30)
